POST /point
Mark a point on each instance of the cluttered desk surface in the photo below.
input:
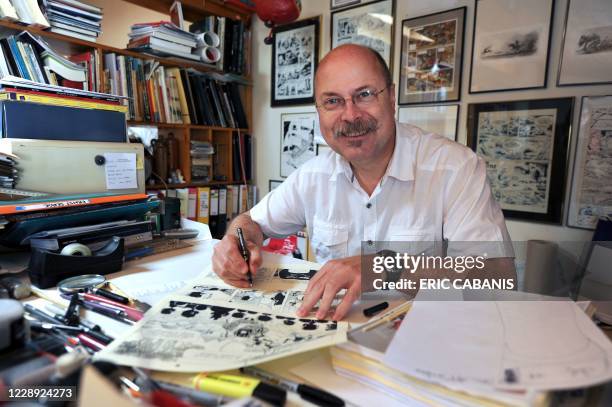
(196, 322)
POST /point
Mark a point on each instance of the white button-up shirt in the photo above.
(434, 189)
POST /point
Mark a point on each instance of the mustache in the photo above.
(356, 128)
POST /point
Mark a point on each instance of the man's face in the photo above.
(361, 133)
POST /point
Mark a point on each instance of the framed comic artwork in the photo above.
(336, 4)
(442, 119)
(586, 56)
(591, 195)
(511, 44)
(273, 184)
(295, 55)
(431, 60)
(298, 140)
(369, 24)
(524, 144)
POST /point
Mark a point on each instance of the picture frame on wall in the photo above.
(431, 58)
(336, 4)
(510, 45)
(295, 56)
(273, 184)
(369, 24)
(440, 119)
(298, 141)
(586, 55)
(524, 144)
(591, 192)
(322, 149)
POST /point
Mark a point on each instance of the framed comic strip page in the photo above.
(370, 24)
(298, 140)
(440, 120)
(432, 55)
(295, 55)
(524, 144)
(586, 57)
(591, 196)
(510, 45)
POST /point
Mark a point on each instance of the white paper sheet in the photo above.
(120, 171)
(537, 345)
(199, 328)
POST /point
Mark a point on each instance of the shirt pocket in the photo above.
(412, 240)
(329, 240)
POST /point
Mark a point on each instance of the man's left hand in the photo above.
(334, 276)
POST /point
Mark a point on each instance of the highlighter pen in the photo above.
(245, 253)
(312, 394)
(239, 387)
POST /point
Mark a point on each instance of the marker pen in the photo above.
(238, 387)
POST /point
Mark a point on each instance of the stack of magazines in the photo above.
(163, 39)
(74, 18)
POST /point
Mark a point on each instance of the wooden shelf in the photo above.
(183, 126)
(60, 39)
(193, 184)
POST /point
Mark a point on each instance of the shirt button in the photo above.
(370, 243)
(369, 205)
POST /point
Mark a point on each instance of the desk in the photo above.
(153, 277)
(167, 271)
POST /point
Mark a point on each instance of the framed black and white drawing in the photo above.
(369, 24)
(586, 57)
(511, 44)
(295, 55)
(273, 184)
(432, 55)
(524, 144)
(441, 119)
(591, 196)
(336, 4)
(323, 149)
(298, 143)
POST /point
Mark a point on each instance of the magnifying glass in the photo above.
(81, 284)
(89, 283)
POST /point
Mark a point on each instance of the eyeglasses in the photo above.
(362, 98)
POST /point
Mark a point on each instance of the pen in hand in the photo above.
(245, 254)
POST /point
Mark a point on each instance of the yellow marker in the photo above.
(238, 387)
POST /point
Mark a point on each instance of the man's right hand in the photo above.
(227, 262)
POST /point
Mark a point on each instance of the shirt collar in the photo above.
(401, 165)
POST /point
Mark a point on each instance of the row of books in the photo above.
(29, 57)
(215, 206)
(234, 38)
(173, 95)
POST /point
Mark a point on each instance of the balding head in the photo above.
(355, 52)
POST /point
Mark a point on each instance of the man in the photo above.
(387, 182)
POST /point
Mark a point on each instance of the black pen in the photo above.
(312, 394)
(245, 253)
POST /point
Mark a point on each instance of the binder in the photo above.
(214, 212)
(222, 225)
(37, 121)
(203, 213)
(192, 203)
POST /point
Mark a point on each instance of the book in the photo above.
(63, 201)
(59, 100)
(203, 213)
(7, 10)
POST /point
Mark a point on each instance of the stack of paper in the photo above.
(162, 38)
(74, 18)
(509, 352)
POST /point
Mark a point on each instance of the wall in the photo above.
(118, 17)
(267, 120)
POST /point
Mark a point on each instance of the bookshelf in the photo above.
(221, 137)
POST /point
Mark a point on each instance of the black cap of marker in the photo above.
(270, 393)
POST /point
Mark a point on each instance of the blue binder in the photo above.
(26, 120)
